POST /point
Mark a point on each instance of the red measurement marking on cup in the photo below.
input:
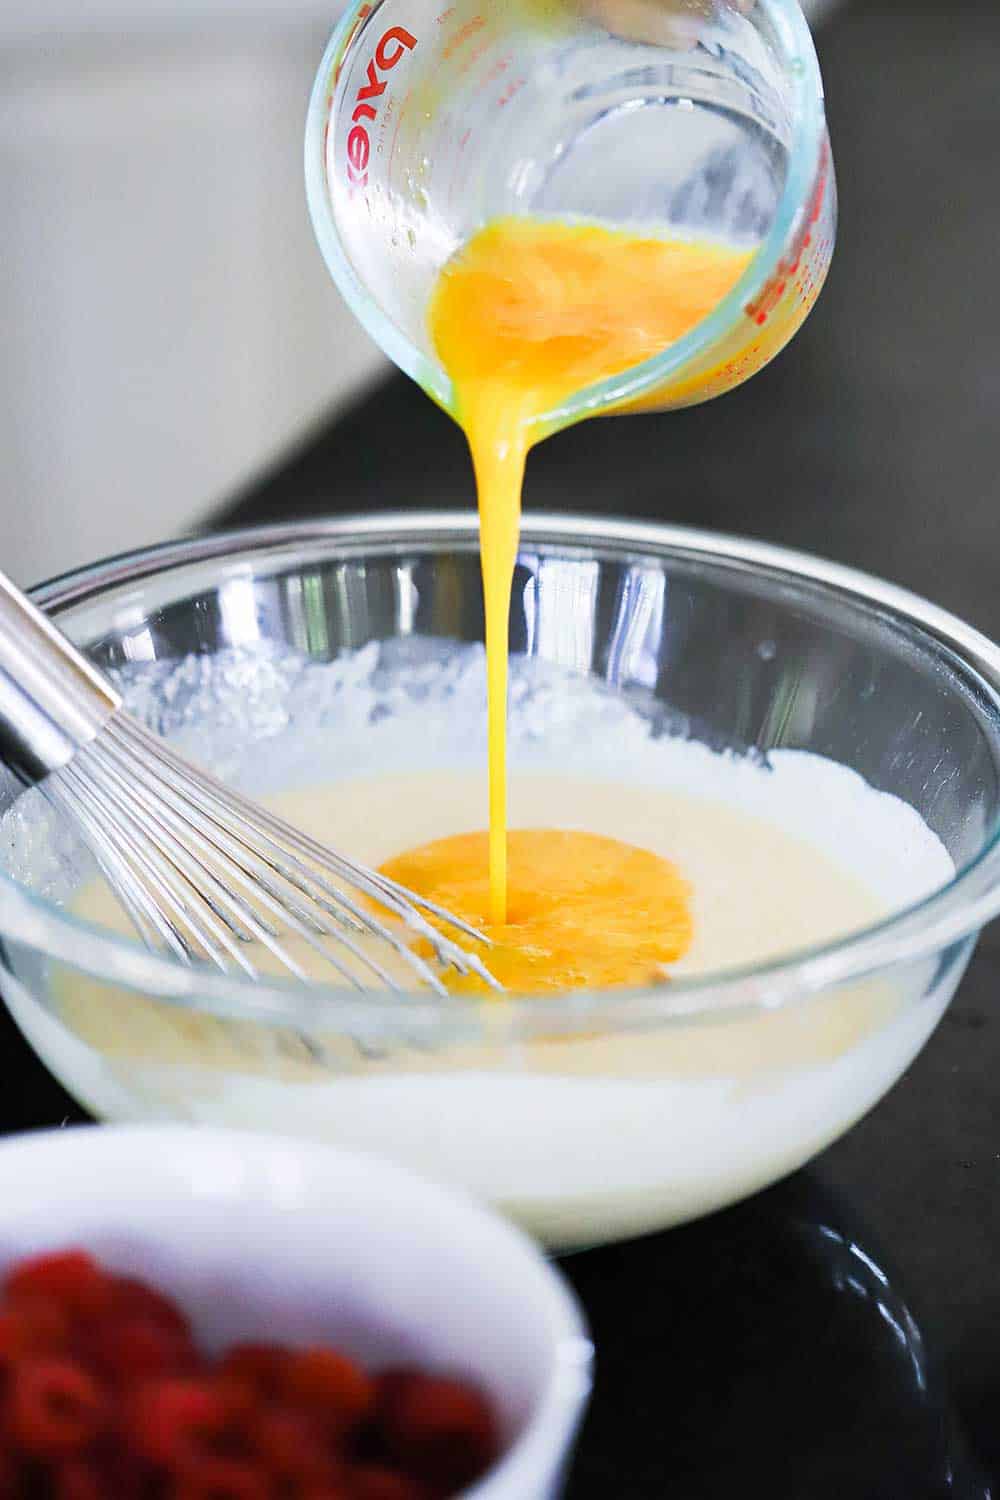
(511, 92)
(788, 268)
(395, 135)
(392, 45)
(462, 144)
(462, 35)
(466, 65)
(508, 90)
(360, 20)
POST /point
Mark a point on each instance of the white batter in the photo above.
(757, 890)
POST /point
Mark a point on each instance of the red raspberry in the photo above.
(141, 1349)
(32, 1327)
(176, 1421)
(240, 1402)
(54, 1406)
(259, 1366)
(78, 1480)
(372, 1482)
(390, 1387)
(10, 1341)
(263, 1423)
(291, 1449)
(332, 1386)
(437, 1428)
(69, 1278)
(124, 1476)
(221, 1479)
(12, 1486)
(132, 1299)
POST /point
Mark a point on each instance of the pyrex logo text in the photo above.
(391, 47)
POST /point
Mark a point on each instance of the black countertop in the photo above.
(838, 1335)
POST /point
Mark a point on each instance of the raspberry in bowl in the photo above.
(199, 1315)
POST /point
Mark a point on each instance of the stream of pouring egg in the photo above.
(528, 313)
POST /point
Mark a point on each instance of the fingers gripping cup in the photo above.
(696, 119)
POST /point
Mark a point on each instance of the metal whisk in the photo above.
(202, 871)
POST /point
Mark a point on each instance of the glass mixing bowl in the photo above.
(585, 1116)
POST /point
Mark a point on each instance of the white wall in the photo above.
(168, 324)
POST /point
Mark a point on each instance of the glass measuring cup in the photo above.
(429, 118)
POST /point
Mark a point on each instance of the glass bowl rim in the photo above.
(805, 161)
(950, 915)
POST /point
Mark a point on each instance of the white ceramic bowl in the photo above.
(258, 1236)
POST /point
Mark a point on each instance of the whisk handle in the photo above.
(52, 701)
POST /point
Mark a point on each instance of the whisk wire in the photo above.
(153, 926)
(182, 844)
(194, 928)
(127, 863)
(271, 839)
(201, 871)
(252, 867)
(207, 874)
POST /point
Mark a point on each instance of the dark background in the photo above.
(839, 1335)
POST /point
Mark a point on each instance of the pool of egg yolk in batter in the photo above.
(583, 911)
(528, 313)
